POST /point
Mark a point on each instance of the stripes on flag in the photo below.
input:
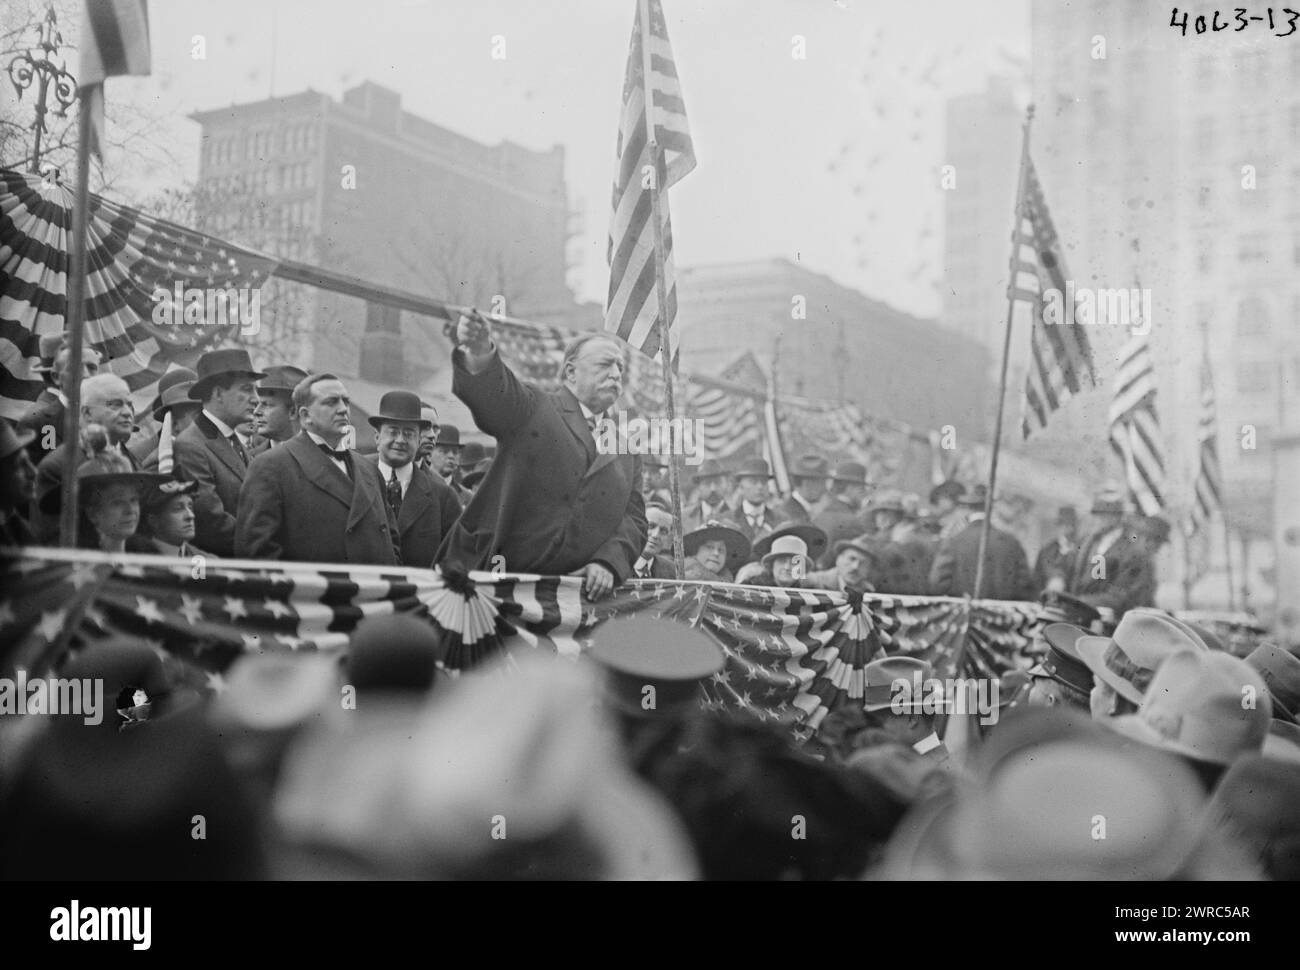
(1061, 361)
(129, 257)
(731, 422)
(114, 42)
(1208, 489)
(1135, 426)
(632, 308)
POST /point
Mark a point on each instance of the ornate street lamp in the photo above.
(42, 65)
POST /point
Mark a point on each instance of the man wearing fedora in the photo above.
(424, 506)
(210, 451)
(1124, 663)
(1055, 561)
(755, 517)
(17, 486)
(1006, 570)
(808, 486)
(841, 514)
(274, 419)
(653, 563)
(550, 502)
(310, 500)
(712, 484)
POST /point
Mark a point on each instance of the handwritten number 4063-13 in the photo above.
(1239, 19)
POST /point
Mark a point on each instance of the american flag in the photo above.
(1061, 355)
(1208, 489)
(632, 309)
(1135, 426)
(130, 257)
(792, 655)
(114, 42)
(731, 421)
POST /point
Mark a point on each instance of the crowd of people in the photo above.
(381, 763)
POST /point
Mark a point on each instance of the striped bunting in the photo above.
(1135, 426)
(129, 257)
(1061, 360)
(1208, 489)
(792, 656)
(632, 309)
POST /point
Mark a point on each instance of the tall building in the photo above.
(361, 186)
(1168, 158)
(982, 135)
(833, 342)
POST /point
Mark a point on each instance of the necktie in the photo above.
(591, 424)
(239, 449)
(393, 492)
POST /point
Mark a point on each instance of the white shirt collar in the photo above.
(753, 509)
(642, 564)
(801, 500)
(225, 429)
(63, 398)
(403, 474)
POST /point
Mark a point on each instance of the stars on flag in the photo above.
(51, 624)
(147, 610)
(215, 682)
(82, 573)
(276, 608)
(191, 609)
(235, 609)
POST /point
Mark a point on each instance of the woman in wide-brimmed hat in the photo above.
(108, 497)
(715, 551)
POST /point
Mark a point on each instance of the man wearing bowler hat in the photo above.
(210, 452)
(442, 448)
(808, 477)
(311, 500)
(712, 484)
(424, 506)
(273, 418)
(755, 517)
(841, 515)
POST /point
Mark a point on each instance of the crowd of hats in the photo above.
(381, 764)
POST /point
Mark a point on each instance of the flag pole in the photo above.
(661, 287)
(1227, 561)
(75, 319)
(1006, 354)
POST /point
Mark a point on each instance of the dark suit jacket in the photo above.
(549, 503)
(839, 521)
(204, 456)
(1006, 574)
(1129, 579)
(429, 509)
(1052, 561)
(771, 518)
(296, 504)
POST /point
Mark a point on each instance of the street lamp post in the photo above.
(41, 65)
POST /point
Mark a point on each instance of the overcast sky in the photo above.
(767, 127)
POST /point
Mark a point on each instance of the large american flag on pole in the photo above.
(632, 308)
(1208, 489)
(1135, 426)
(1061, 361)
